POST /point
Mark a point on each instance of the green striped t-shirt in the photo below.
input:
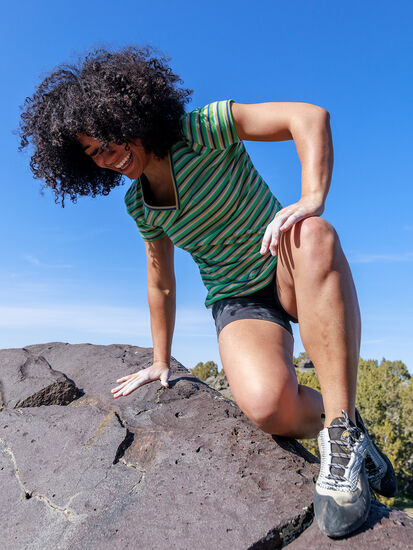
(222, 205)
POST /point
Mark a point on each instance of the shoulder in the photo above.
(133, 196)
(210, 126)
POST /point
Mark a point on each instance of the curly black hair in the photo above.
(110, 96)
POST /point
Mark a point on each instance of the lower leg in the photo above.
(328, 313)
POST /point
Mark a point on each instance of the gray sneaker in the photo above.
(341, 494)
(379, 469)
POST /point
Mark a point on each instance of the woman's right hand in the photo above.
(157, 371)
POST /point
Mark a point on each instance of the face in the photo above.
(130, 161)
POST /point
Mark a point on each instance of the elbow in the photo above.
(326, 116)
(321, 118)
(312, 121)
(321, 113)
(315, 112)
(161, 295)
(309, 116)
(167, 287)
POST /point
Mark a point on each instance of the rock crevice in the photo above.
(282, 536)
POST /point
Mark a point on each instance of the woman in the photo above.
(122, 114)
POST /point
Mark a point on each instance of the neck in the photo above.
(158, 172)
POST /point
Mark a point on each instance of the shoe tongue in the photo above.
(337, 431)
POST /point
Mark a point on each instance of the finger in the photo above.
(122, 386)
(281, 215)
(266, 240)
(274, 239)
(276, 234)
(119, 389)
(124, 378)
(293, 219)
(164, 379)
(131, 386)
(136, 383)
(273, 228)
(282, 220)
(274, 249)
(279, 220)
(114, 390)
(118, 394)
(126, 390)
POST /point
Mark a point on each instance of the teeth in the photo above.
(124, 162)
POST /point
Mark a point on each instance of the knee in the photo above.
(316, 240)
(273, 411)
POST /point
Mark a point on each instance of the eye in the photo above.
(98, 151)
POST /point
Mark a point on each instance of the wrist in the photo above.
(162, 362)
(317, 199)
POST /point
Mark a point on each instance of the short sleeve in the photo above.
(134, 206)
(149, 232)
(211, 126)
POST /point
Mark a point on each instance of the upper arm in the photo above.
(160, 263)
(272, 121)
(210, 126)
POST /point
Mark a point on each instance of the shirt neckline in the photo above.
(175, 206)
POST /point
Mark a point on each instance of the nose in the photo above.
(109, 155)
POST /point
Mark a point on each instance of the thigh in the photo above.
(309, 246)
(285, 277)
(257, 357)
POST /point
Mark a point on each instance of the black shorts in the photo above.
(262, 304)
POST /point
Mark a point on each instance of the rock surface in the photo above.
(161, 468)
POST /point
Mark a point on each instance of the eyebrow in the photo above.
(86, 147)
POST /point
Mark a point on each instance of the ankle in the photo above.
(328, 417)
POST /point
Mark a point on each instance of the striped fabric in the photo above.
(222, 206)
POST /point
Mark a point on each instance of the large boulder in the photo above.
(161, 468)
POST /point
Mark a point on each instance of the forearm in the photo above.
(313, 140)
(308, 125)
(162, 306)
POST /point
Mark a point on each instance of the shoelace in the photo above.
(347, 442)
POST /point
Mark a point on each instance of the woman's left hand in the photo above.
(286, 218)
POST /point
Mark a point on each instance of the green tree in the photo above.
(205, 370)
(302, 357)
(309, 379)
(384, 395)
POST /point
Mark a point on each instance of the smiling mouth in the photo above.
(125, 162)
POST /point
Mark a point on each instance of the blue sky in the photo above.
(78, 274)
